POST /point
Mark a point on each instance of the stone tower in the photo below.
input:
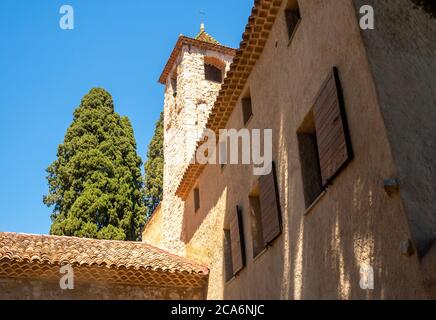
(192, 77)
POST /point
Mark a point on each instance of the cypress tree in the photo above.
(95, 184)
(154, 169)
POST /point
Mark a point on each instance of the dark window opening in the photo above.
(309, 159)
(293, 16)
(212, 73)
(247, 109)
(223, 153)
(228, 261)
(174, 86)
(196, 199)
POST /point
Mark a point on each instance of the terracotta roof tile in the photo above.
(206, 37)
(109, 260)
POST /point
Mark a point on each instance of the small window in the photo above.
(324, 139)
(196, 199)
(247, 109)
(256, 223)
(292, 14)
(213, 73)
(174, 85)
(223, 153)
(228, 262)
(310, 168)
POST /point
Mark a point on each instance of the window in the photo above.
(223, 153)
(174, 85)
(213, 73)
(247, 109)
(234, 247)
(196, 199)
(310, 169)
(292, 15)
(324, 140)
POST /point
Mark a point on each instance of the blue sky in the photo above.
(121, 46)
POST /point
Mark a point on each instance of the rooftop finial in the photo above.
(202, 14)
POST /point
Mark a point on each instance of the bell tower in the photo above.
(192, 77)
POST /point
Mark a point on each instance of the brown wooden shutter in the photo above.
(334, 147)
(270, 207)
(237, 242)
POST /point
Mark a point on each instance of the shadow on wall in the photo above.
(319, 253)
(428, 6)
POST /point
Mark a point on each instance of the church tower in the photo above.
(192, 77)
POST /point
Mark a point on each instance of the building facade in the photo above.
(347, 211)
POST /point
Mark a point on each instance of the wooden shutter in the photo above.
(334, 147)
(237, 242)
(247, 109)
(270, 207)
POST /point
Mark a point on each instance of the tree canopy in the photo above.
(154, 169)
(95, 184)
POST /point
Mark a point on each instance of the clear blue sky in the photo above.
(121, 46)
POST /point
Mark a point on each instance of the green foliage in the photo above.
(95, 185)
(154, 169)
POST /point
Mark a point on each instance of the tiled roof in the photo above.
(199, 43)
(204, 36)
(117, 261)
(254, 38)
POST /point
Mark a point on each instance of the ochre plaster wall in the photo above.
(319, 255)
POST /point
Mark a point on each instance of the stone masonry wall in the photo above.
(36, 289)
(185, 115)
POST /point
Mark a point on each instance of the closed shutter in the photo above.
(270, 207)
(237, 242)
(334, 147)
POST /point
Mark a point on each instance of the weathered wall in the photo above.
(203, 234)
(185, 115)
(27, 289)
(319, 255)
(152, 233)
(402, 56)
